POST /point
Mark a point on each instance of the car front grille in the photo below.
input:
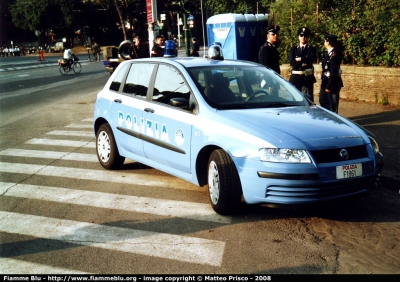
(333, 155)
(317, 192)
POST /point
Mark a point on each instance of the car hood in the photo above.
(299, 127)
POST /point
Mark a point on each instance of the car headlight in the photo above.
(284, 155)
(374, 144)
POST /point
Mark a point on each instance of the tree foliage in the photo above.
(368, 29)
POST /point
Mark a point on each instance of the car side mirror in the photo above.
(179, 102)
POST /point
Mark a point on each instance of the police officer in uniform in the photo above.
(331, 75)
(268, 54)
(301, 60)
(158, 47)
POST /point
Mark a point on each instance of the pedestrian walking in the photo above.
(331, 74)
(96, 51)
(195, 48)
(301, 59)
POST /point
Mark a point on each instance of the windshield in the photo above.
(233, 87)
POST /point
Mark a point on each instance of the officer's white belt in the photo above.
(307, 71)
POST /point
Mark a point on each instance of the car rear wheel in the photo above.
(107, 151)
(223, 183)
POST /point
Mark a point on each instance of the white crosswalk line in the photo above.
(196, 211)
(65, 143)
(72, 133)
(169, 246)
(50, 155)
(14, 266)
(78, 125)
(154, 244)
(126, 177)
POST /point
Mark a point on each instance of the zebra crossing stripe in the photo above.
(75, 125)
(13, 266)
(72, 133)
(50, 155)
(126, 177)
(169, 246)
(196, 211)
(65, 143)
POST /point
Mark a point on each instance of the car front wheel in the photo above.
(223, 183)
(107, 151)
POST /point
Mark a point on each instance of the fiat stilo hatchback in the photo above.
(234, 126)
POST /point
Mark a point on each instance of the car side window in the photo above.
(169, 84)
(119, 78)
(138, 79)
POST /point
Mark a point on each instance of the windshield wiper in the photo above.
(279, 105)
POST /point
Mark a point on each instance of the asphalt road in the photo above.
(61, 212)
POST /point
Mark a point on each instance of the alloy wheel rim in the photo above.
(213, 182)
(103, 147)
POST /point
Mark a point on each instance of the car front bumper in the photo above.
(297, 184)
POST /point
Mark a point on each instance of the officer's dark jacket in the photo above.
(308, 56)
(269, 57)
(141, 51)
(330, 71)
(157, 51)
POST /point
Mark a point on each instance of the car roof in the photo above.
(189, 62)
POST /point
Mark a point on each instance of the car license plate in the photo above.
(348, 171)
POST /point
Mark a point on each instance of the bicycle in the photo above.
(65, 67)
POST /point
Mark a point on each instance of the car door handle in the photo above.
(149, 110)
(118, 101)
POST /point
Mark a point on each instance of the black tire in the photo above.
(63, 70)
(106, 148)
(76, 67)
(224, 186)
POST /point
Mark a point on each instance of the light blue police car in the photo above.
(235, 126)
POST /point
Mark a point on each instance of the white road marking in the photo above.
(56, 142)
(50, 155)
(72, 133)
(75, 125)
(89, 119)
(196, 211)
(169, 246)
(13, 266)
(126, 177)
(23, 75)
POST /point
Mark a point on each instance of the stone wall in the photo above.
(368, 84)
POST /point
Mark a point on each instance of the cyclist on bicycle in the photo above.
(69, 55)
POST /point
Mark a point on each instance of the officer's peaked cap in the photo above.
(304, 31)
(273, 28)
(330, 37)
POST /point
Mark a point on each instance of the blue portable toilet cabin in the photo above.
(252, 37)
(262, 25)
(229, 30)
(241, 36)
